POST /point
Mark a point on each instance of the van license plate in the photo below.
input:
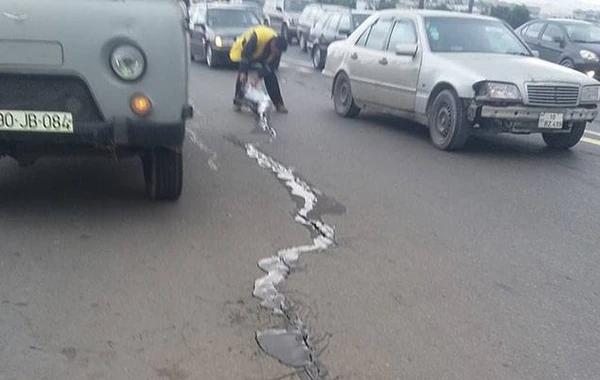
(36, 121)
(550, 121)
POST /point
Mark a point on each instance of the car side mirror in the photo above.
(409, 50)
(559, 40)
(344, 33)
(279, 9)
(265, 22)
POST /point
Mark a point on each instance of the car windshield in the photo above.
(583, 33)
(359, 18)
(231, 18)
(463, 35)
(294, 5)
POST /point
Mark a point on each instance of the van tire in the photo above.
(163, 172)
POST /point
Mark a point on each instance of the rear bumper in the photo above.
(118, 132)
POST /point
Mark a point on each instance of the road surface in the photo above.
(481, 264)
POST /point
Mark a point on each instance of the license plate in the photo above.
(36, 121)
(550, 121)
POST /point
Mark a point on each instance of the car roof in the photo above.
(434, 13)
(568, 21)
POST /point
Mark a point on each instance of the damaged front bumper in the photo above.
(526, 119)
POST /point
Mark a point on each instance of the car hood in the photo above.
(595, 47)
(228, 32)
(511, 68)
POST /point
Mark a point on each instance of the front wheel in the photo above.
(302, 42)
(318, 59)
(568, 63)
(343, 101)
(210, 57)
(564, 141)
(448, 125)
(163, 172)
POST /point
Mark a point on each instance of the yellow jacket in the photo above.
(264, 35)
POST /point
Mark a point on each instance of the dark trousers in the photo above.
(272, 85)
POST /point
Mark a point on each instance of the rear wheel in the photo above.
(565, 140)
(448, 125)
(163, 172)
(318, 60)
(343, 101)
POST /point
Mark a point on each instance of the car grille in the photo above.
(48, 93)
(553, 96)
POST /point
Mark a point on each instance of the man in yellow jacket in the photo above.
(259, 45)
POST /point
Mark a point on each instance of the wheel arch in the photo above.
(441, 86)
(335, 78)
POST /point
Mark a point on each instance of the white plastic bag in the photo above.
(258, 97)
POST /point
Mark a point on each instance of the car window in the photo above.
(583, 33)
(403, 32)
(466, 35)
(334, 21)
(345, 23)
(378, 35)
(199, 17)
(294, 5)
(552, 32)
(231, 18)
(362, 40)
(533, 31)
(321, 22)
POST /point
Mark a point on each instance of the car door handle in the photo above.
(383, 61)
(354, 56)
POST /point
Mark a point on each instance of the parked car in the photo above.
(309, 17)
(216, 26)
(332, 26)
(571, 43)
(452, 73)
(71, 89)
(283, 16)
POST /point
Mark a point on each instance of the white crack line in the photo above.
(277, 267)
(193, 130)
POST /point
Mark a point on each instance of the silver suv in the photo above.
(110, 79)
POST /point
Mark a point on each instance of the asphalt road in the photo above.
(481, 264)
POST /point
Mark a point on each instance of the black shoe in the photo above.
(237, 105)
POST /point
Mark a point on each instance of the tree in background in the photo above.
(442, 7)
(471, 4)
(421, 4)
(515, 15)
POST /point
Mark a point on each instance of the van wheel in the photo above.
(317, 58)
(448, 124)
(565, 141)
(302, 42)
(343, 101)
(163, 172)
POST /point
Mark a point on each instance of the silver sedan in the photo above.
(459, 75)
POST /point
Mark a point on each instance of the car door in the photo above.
(198, 33)
(531, 35)
(398, 72)
(552, 43)
(363, 63)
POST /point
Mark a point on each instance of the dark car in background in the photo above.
(309, 16)
(283, 16)
(570, 43)
(216, 26)
(332, 26)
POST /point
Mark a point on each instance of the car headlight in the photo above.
(128, 62)
(219, 42)
(590, 94)
(589, 55)
(499, 91)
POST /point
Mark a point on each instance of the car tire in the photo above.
(448, 125)
(302, 42)
(568, 62)
(210, 56)
(317, 58)
(343, 101)
(163, 172)
(564, 141)
(285, 32)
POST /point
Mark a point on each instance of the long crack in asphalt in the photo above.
(294, 345)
